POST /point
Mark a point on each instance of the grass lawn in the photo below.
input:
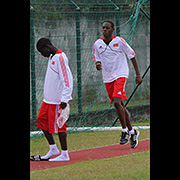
(133, 166)
(82, 140)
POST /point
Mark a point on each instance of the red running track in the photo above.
(93, 154)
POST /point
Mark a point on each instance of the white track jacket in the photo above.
(58, 83)
(112, 57)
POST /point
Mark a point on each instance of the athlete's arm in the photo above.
(138, 76)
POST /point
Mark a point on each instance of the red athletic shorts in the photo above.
(117, 89)
(47, 117)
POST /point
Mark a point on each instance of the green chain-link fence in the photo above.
(74, 26)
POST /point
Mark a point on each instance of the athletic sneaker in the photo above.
(124, 138)
(134, 138)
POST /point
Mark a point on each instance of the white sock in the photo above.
(131, 131)
(125, 130)
(64, 152)
(64, 156)
(52, 152)
(52, 147)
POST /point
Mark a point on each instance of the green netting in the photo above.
(74, 26)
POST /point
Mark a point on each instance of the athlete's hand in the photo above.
(138, 79)
(63, 105)
(98, 66)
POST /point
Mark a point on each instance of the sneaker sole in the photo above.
(123, 143)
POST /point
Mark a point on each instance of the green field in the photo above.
(133, 166)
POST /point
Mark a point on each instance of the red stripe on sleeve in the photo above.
(64, 71)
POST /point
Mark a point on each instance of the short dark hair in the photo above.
(112, 24)
(42, 42)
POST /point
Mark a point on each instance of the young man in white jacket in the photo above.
(58, 86)
(109, 54)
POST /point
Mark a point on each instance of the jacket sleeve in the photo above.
(66, 78)
(96, 53)
(127, 49)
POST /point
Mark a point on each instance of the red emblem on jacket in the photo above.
(115, 45)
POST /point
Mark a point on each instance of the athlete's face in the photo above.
(107, 30)
(45, 51)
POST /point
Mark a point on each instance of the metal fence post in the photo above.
(117, 22)
(78, 53)
(117, 17)
(32, 56)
